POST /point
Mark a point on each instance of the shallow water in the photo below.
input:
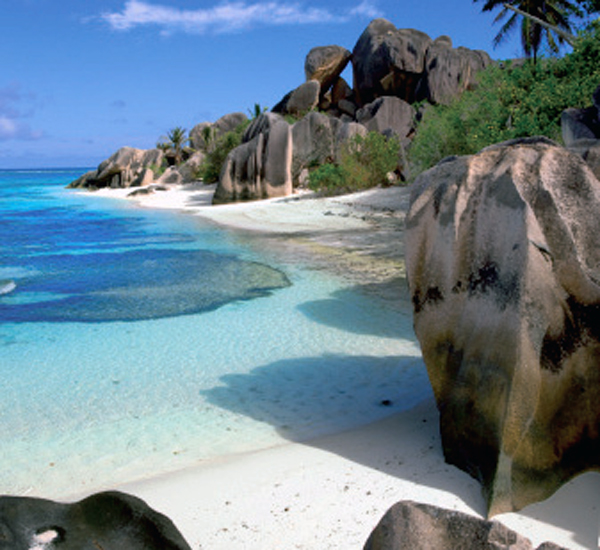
(140, 342)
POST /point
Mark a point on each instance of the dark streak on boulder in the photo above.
(503, 266)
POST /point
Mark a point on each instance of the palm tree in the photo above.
(177, 139)
(257, 111)
(554, 13)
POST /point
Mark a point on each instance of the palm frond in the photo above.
(505, 30)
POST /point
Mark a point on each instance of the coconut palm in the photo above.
(163, 145)
(555, 13)
(257, 111)
(177, 140)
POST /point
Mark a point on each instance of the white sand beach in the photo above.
(331, 492)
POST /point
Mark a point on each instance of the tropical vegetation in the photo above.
(365, 161)
(217, 151)
(174, 142)
(541, 21)
(511, 100)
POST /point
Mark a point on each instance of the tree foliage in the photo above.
(558, 13)
(510, 101)
(174, 141)
(210, 169)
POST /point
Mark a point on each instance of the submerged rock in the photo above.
(144, 284)
(503, 265)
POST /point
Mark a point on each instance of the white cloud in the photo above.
(8, 127)
(14, 129)
(367, 9)
(11, 126)
(227, 16)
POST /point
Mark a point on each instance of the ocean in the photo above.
(136, 342)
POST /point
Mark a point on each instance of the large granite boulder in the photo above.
(318, 139)
(450, 71)
(128, 167)
(189, 169)
(313, 143)
(578, 124)
(261, 166)
(226, 123)
(345, 131)
(389, 116)
(589, 151)
(325, 64)
(110, 520)
(171, 175)
(503, 265)
(388, 61)
(414, 526)
(300, 101)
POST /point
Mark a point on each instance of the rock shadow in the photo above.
(311, 396)
(307, 399)
(345, 310)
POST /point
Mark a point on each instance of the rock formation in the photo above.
(390, 116)
(261, 166)
(450, 71)
(128, 167)
(589, 151)
(104, 520)
(577, 124)
(325, 64)
(413, 526)
(226, 123)
(408, 64)
(300, 101)
(581, 132)
(392, 68)
(388, 61)
(317, 139)
(503, 267)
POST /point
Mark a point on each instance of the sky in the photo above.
(81, 79)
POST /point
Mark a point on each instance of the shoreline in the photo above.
(354, 237)
(332, 491)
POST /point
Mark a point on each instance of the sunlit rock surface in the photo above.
(503, 265)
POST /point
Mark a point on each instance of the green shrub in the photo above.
(210, 169)
(328, 178)
(509, 102)
(364, 163)
(158, 170)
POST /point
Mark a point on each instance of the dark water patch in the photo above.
(56, 229)
(134, 285)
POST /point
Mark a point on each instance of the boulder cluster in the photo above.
(392, 70)
(116, 520)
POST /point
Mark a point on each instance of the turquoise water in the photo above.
(137, 342)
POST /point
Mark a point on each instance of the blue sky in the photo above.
(81, 79)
